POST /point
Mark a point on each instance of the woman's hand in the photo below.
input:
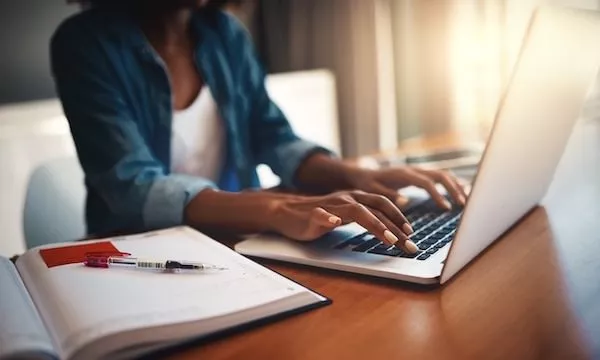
(307, 218)
(299, 217)
(323, 174)
(386, 182)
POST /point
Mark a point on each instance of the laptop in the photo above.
(556, 69)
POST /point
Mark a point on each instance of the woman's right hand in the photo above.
(307, 218)
(298, 217)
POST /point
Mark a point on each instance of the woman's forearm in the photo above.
(323, 174)
(244, 212)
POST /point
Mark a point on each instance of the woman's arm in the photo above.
(323, 174)
(120, 170)
(245, 212)
(272, 139)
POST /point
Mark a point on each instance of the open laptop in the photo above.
(557, 66)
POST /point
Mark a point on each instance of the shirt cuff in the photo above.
(168, 197)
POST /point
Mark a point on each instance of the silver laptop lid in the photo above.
(558, 64)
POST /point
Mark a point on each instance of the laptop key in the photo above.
(423, 246)
(430, 241)
(414, 216)
(452, 223)
(384, 249)
(409, 256)
(358, 239)
(367, 245)
(439, 221)
(431, 251)
(419, 223)
(418, 237)
(437, 236)
(423, 256)
(447, 239)
(444, 231)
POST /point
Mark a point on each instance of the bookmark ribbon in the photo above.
(73, 254)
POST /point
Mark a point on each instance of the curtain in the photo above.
(454, 58)
(444, 63)
(345, 37)
(450, 60)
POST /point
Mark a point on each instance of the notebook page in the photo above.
(21, 329)
(83, 304)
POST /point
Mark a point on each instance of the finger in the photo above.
(402, 202)
(458, 186)
(450, 183)
(405, 243)
(384, 205)
(359, 213)
(461, 183)
(318, 222)
(391, 194)
(322, 217)
(428, 185)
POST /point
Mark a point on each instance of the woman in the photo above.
(170, 117)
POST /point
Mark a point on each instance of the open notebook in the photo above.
(77, 312)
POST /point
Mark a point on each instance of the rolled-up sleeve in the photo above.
(273, 140)
(120, 169)
(288, 156)
(168, 196)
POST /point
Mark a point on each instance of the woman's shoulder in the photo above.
(226, 26)
(88, 24)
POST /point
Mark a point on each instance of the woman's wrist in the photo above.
(244, 212)
(323, 174)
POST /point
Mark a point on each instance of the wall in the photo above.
(27, 26)
(582, 4)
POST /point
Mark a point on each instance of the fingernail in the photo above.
(407, 229)
(390, 237)
(447, 205)
(334, 220)
(401, 201)
(410, 246)
(462, 200)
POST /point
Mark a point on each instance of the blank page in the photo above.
(21, 330)
(83, 304)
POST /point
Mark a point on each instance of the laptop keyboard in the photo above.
(433, 229)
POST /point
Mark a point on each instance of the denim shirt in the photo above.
(116, 95)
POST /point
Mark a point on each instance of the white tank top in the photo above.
(198, 138)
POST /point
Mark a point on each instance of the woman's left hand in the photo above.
(386, 182)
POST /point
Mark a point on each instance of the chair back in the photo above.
(309, 101)
(54, 203)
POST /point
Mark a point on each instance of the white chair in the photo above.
(31, 133)
(54, 203)
(309, 101)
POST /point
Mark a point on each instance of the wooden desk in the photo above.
(535, 294)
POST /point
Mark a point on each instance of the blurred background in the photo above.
(359, 76)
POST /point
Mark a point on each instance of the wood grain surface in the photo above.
(534, 294)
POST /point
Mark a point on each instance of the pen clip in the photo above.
(99, 259)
